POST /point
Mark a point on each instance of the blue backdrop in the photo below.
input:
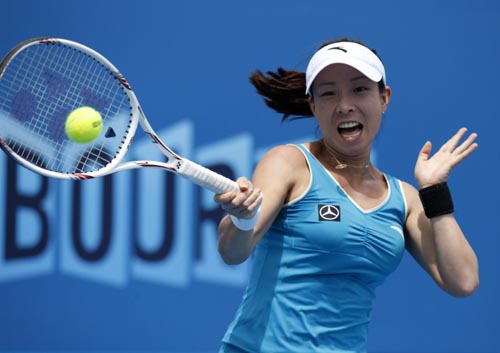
(143, 274)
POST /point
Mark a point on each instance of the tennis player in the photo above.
(331, 226)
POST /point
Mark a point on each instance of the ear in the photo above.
(386, 97)
(310, 100)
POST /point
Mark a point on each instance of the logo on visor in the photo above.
(329, 213)
(338, 48)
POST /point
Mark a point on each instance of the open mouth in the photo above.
(350, 129)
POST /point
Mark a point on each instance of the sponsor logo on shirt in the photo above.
(329, 213)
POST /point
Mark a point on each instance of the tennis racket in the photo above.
(42, 80)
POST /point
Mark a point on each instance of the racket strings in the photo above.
(39, 87)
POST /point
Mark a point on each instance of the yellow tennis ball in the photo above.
(83, 125)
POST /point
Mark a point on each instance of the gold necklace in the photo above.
(341, 165)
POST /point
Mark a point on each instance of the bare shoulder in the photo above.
(282, 161)
(408, 189)
(284, 170)
(410, 192)
(412, 198)
(288, 154)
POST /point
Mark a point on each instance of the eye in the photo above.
(327, 93)
(360, 89)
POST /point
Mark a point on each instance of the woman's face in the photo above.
(348, 107)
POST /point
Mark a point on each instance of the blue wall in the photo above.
(188, 62)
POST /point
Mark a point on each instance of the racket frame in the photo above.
(175, 163)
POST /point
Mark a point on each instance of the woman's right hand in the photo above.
(243, 204)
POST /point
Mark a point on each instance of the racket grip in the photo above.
(207, 178)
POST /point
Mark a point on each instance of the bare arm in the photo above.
(438, 243)
(273, 179)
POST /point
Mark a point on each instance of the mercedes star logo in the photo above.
(329, 213)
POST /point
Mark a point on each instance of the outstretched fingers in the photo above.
(467, 147)
(460, 151)
(451, 145)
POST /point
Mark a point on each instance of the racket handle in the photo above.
(207, 178)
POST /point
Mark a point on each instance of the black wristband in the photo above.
(436, 200)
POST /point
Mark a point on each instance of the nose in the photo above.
(345, 105)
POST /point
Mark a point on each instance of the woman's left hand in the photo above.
(436, 169)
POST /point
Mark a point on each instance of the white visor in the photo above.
(353, 54)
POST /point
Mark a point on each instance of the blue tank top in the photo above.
(315, 272)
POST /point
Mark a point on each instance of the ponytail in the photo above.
(283, 91)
